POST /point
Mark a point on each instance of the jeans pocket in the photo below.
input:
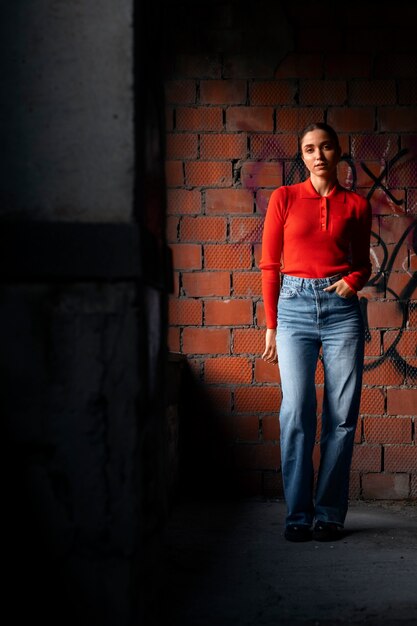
(353, 298)
(288, 292)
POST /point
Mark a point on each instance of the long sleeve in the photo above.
(361, 262)
(270, 263)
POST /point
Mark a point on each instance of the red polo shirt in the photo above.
(313, 236)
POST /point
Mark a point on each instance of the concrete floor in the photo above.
(227, 563)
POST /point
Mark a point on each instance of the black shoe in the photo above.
(327, 531)
(298, 533)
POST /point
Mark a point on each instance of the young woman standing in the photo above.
(315, 258)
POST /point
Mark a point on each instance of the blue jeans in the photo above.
(310, 318)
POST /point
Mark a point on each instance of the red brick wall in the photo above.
(232, 126)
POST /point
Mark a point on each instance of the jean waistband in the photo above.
(296, 280)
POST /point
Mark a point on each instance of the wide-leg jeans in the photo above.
(309, 319)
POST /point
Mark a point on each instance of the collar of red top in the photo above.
(337, 193)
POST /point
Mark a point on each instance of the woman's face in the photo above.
(320, 153)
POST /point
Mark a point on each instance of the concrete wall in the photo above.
(86, 444)
(66, 112)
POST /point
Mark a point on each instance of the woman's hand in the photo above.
(341, 288)
(270, 353)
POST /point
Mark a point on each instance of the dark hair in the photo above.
(320, 126)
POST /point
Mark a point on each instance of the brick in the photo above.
(366, 458)
(176, 284)
(247, 483)
(411, 372)
(248, 341)
(334, 39)
(250, 118)
(372, 401)
(373, 147)
(226, 201)
(404, 172)
(402, 401)
(385, 486)
(258, 174)
(240, 428)
(323, 92)
(199, 118)
(348, 65)
(272, 485)
(296, 118)
(412, 201)
(180, 91)
(272, 93)
(203, 229)
(206, 341)
(372, 92)
(185, 312)
(397, 65)
(198, 65)
(352, 119)
(249, 66)
(223, 92)
(397, 119)
(398, 284)
(221, 398)
(172, 223)
(386, 371)
(174, 173)
(392, 228)
(195, 366)
(169, 118)
(260, 315)
(300, 65)
(387, 430)
(228, 312)
(364, 180)
(400, 458)
(233, 370)
(181, 146)
(382, 203)
(319, 377)
(355, 486)
(407, 91)
(186, 256)
(270, 428)
(256, 399)
(267, 146)
(405, 341)
(257, 253)
(257, 456)
(247, 284)
(173, 339)
(183, 201)
(208, 173)
(266, 372)
(229, 257)
(224, 146)
(262, 200)
(384, 314)
(197, 284)
(412, 316)
(248, 229)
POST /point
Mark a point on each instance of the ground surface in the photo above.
(227, 563)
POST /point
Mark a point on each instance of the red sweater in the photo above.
(313, 236)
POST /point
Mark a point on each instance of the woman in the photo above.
(315, 258)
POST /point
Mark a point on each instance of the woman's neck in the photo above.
(323, 186)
